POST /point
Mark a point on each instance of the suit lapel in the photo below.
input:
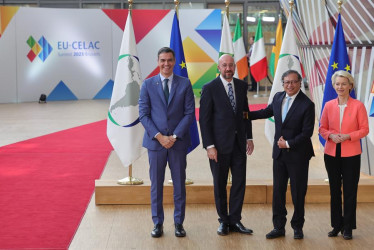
(238, 94)
(223, 93)
(174, 86)
(158, 86)
(278, 107)
(295, 104)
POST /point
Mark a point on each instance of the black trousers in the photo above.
(236, 161)
(297, 172)
(346, 171)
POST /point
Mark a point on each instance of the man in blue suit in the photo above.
(294, 117)
(166, 110)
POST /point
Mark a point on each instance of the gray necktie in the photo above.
(231, 96)
(285, 108)
(166, 89)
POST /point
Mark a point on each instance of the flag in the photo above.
(339, 60)
(124, 130)
(240, 55)
(276, 49)
(258, 62)
(226, 46)
(180, 68)
(288, 59)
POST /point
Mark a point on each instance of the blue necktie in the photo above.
(285, 108)
(166, 89)
(231, 96)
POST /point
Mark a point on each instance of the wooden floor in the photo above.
(129, 226)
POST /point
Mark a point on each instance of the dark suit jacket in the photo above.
(174, 117)
(219, 124)
(297, 128)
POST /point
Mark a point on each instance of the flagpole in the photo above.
(130, 180)
(176, 2)
(188, 181)
(227, 3)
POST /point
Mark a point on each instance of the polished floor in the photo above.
(129, 226)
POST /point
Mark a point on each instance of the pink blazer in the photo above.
(355, 123)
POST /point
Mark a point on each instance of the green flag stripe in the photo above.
(111, 118)
(282, 55)
(122, 56)
(238, 31)
(272, 63)
(258, 31)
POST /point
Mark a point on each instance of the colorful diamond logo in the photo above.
(42, 48)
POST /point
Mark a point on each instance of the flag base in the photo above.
(187, 182)
(130, 181)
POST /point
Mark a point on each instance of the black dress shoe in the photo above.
(335, 232)
(157, 231)
(275, 233)
(347, 235)
(238, 227)
(298, 234)
(223, 229)
(179, 230)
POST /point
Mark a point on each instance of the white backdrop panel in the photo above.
(8, 79)
(81, 54)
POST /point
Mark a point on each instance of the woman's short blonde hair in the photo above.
(345, 74)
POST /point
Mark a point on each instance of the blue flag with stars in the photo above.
(339, 60)
(180, 68)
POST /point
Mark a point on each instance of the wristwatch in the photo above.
(175, 136)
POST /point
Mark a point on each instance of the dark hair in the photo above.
(291, 71)
(165, 50)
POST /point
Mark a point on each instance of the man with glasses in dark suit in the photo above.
(294, 117)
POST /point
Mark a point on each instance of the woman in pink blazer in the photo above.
(343, 123)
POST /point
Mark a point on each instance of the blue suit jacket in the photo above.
(297, 128)
(174, 117)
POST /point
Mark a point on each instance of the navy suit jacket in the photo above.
(219, 124)
(174, 117)
(297, 128)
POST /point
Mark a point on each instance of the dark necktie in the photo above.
(231, 96)
(166, 89)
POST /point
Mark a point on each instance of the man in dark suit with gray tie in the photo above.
(227, 136)
(166, 110)
(294, 117)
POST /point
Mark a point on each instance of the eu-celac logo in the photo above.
(41, 48)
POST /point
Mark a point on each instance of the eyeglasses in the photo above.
(290, 82)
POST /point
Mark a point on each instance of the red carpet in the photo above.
(46, 184)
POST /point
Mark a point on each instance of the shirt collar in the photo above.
(294, 96)
(225, 82)
(170, 78)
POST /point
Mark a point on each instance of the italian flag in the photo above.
(240, 56)
(276, 49)
(259, 64)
